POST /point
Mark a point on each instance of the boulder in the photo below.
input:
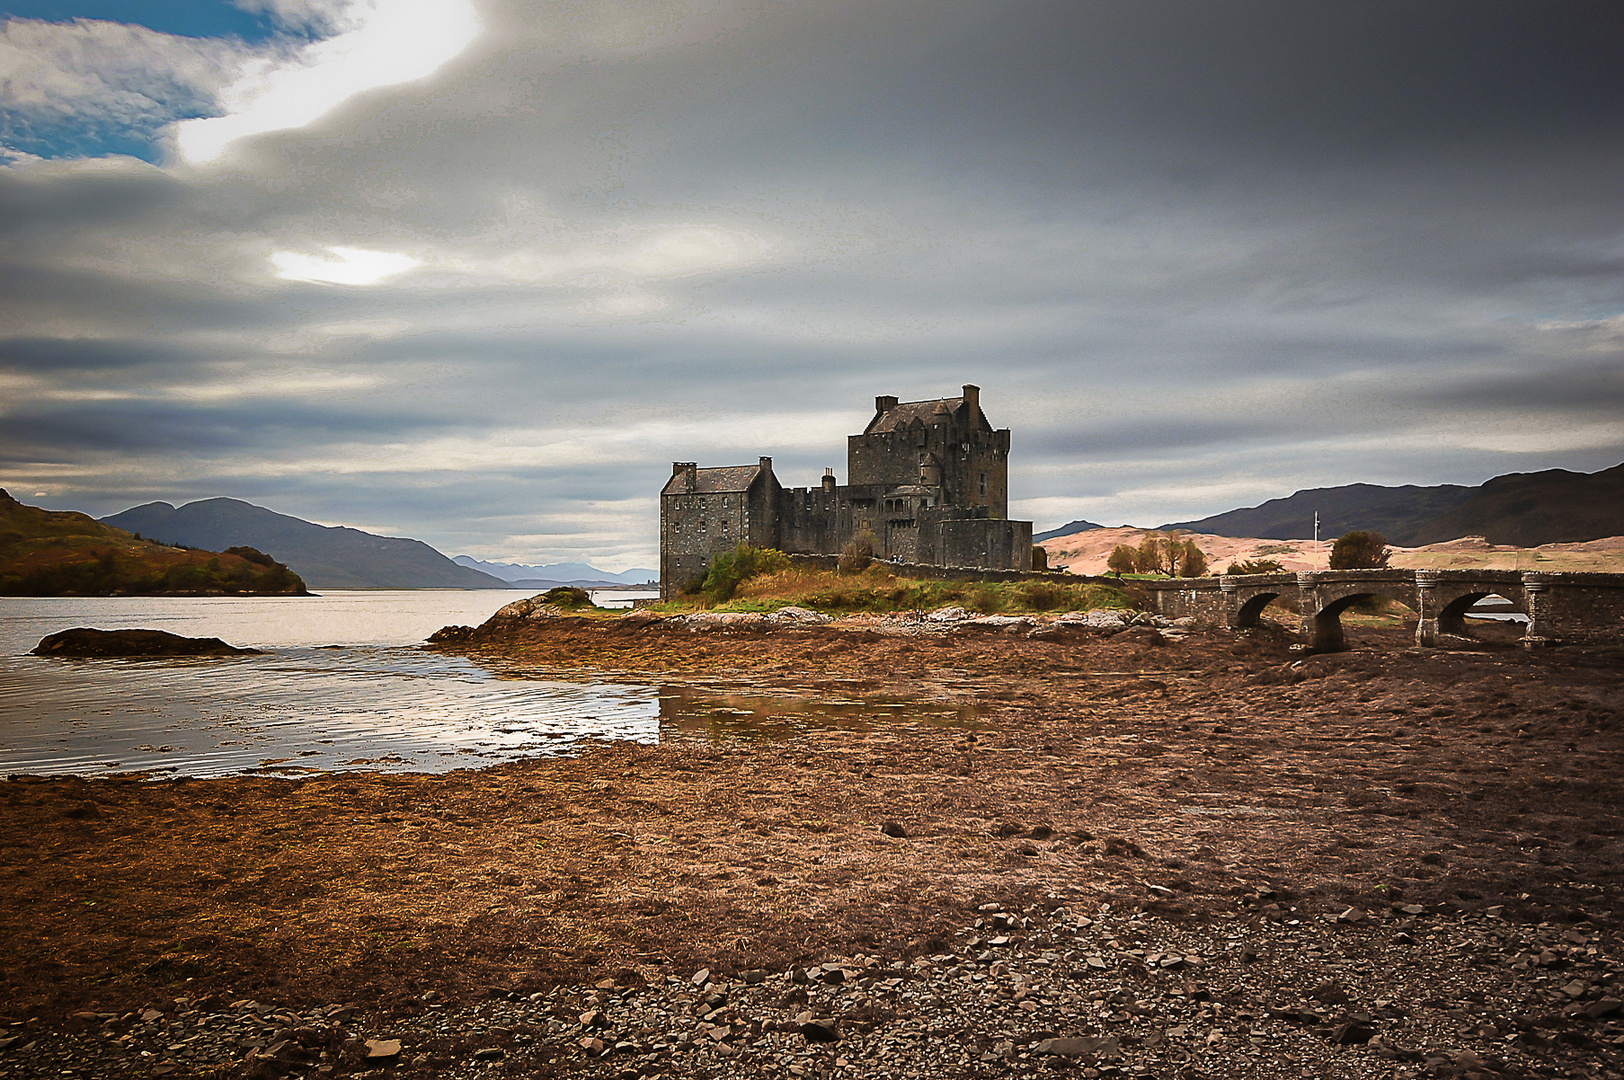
(82, 641)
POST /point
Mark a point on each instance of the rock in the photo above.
(1091, 1046)
(378, 1049)
(948, 614)
(754, 977)
(817, 1029)
(1603, 1007)
(891, 828)
(701, 977)
(1329, 993)
(490, 1053)
(85, 642)
(594, 1019)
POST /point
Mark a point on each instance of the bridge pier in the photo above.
(1574, 608)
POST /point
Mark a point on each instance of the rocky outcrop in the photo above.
(85, 642)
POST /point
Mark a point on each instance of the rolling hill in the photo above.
(327, 557)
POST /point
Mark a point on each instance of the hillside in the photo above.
(1398, 513)
(1065, 530)
(1525, 509)
(1087, 552)
(328, 557)
(58, 552)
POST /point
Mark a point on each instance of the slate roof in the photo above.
(726, 478)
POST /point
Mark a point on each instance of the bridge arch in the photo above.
(1249, 613)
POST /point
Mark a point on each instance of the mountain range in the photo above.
(326, 556)
(1524, 509)
(550, 575)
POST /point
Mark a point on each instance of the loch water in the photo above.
(342, 683)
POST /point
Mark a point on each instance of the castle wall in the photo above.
(948, 538)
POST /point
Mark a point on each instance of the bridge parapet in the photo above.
(1561, 607)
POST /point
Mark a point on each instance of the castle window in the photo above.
(983, 483)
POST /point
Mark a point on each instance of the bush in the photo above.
(1044, 595)
(858, 554)
(1359, 550)
(567, 597)
(1255, 566)
(985, 599)
(731, 568)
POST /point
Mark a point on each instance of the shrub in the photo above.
(730, 568)
(567, 597)
(858, 554)
(985, 598)
(1255, 566)
(1359, 550)
(1044, 595)
(253, 555)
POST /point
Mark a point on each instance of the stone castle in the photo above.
(928, 482)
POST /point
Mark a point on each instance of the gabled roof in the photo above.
(904, 413)
(726, 478)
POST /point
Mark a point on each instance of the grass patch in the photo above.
(879, 590)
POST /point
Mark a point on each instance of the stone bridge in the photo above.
(1562, 608)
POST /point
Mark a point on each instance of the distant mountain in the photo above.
(1525, 509)
(1066, 530)
(63, 553)
(1529, 509)
(1398, 513)
(550, 575)
(327, 557)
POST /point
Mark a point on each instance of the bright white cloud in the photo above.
(381, 43)
(90, 72)
(342, 266)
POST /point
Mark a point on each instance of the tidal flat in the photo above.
(1200, 851)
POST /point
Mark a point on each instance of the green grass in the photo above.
(879, 591)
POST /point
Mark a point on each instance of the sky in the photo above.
(477, 272)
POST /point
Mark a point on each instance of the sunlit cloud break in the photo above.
(382, 43)
(342, 266)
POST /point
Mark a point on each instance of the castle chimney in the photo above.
(972, 398)
(767, 465)
(885, 403)
(689, 470)
(828, 479)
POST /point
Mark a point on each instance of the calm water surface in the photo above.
(342, 684)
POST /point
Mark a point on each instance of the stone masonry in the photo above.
(928, 483)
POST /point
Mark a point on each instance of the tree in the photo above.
(1152, 554)
(1192, 560)
(1359, 550)
(1123, 560)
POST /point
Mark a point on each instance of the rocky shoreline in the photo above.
(1149, 852)
(1261, 990)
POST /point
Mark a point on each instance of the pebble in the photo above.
(1391, 995)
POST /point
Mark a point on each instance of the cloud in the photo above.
(76, 82)
(379, 43)
(1196, 255)
(342, 266)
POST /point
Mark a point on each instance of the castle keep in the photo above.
(928, 482)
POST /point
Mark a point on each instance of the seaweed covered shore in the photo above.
(1194, 848)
